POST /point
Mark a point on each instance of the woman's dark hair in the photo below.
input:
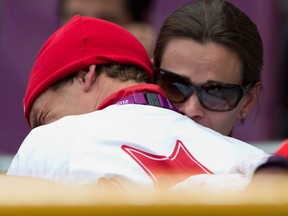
(220, 22)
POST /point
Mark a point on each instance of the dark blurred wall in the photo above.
(284, 58)
(26, 24)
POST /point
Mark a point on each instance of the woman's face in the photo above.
(201, 64)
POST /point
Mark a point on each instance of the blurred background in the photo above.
(26, 24)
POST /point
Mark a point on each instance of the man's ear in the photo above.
(89, 77)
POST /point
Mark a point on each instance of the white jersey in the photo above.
(145, 144)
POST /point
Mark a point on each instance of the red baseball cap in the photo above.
(82, 42)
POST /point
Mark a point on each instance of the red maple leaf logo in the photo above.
(169, 170)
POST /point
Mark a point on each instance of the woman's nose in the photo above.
(192, 107)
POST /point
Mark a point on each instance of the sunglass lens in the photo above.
(220, 98)
(174, 88)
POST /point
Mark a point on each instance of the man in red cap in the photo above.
(82, 45)
(97, 120)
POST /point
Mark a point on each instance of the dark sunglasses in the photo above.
(212, 96)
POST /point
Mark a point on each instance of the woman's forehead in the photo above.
(202, 62)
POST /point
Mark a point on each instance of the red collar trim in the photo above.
(151, 88)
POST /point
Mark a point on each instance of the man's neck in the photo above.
(106, 86)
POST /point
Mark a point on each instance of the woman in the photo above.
(208, 59)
